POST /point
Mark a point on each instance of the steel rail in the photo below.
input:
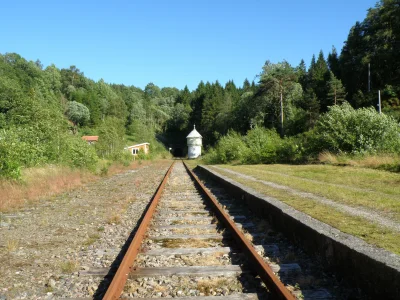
(260, 266)
(117, 284)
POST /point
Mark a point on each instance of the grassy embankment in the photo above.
(372, 190)
(45, 182)
(388, 162)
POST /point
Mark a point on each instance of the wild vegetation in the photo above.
(290, 114)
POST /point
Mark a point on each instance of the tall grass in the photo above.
(389, 162)
(44, 182)
(37, 183)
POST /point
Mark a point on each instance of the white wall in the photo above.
(194, 151)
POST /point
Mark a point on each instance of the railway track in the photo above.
(191, 246)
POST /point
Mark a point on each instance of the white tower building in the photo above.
(194, 142)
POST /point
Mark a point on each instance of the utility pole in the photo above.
(379, 102)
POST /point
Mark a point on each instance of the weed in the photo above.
(208, 286)
(12, 245)
(104, 170)
(69, 266)
(190, 243)
(91, 239)
(207, 260)
(114, 219)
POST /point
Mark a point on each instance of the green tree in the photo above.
(302, 74)
(184, 97)
(77, 113)
(246, 85)
(310, 104)
(318, 75)
(336, 92)
(179, 118)
(152, 91)
(111, 138)
(333, 62)
(278, 80)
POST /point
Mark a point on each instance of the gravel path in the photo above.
(44, 247)
(180, 189)
(355, 211)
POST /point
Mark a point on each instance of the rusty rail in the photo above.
(260, 266)
(117, 284)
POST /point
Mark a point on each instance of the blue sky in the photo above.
(175, 42)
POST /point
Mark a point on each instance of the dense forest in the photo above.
(302, 109)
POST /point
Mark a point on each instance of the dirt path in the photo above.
(44, 246)
(355, 211)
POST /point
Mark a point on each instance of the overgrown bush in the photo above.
(142, 156)
(26, 147)
(75, 152)
(262, 146)
(111, 139)
(10, 167)
(345, 129)
(229, 148)
(157, 150)
(290, 150)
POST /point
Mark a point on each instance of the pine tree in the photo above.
(184, 97)
(318, 75)
(333, 62)
(312, 64)
(311, 105)
(277, 80)
(336, 92)
(302, 74)
(246, 85)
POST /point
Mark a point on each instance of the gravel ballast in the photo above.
(44, 247)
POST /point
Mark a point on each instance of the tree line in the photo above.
(44, 111)
(291, 99)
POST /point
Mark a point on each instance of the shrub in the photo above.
(75, 152)
(27, 147)
(290, 150)
(111, 139)
(157, 150)
(263, 145)
(344, 129)
(126, 158)
(260, 145)
(142, 156)
(229, 148)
